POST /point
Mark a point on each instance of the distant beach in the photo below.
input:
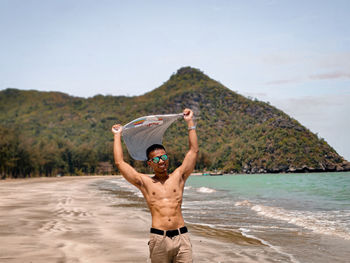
(104, 219)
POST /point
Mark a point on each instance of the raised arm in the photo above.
(128, 172)
(189, 162)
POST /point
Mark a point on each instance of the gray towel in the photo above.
(143, 132)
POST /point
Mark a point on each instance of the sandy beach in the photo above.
(70, 220)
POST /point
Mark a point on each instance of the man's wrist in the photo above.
(191, 125)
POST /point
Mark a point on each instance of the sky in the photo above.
(293, 54)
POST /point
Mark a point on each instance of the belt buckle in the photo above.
(170, 234)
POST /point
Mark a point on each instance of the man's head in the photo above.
(157, 158)
(153, 148)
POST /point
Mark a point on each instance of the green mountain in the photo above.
(50, 132)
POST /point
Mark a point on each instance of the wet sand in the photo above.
(70, 220)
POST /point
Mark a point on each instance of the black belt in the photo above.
(169, 233)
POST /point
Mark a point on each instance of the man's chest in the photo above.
(167, 190)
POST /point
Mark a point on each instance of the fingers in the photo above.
(117, 128)
(188, 114)
(187, 111)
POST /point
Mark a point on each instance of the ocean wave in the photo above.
(205, 190)
(202, 224)
(321, 222)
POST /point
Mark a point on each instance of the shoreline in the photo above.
(197, 173)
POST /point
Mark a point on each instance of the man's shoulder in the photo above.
(147, 178)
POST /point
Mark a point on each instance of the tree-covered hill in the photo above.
(49, 132)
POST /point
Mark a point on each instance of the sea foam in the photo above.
(205, 190)
(321, 222)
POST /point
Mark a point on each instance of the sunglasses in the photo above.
(156, 159)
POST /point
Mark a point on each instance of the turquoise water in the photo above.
(316, 191)
(316, 202)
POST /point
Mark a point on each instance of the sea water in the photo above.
(305, 217)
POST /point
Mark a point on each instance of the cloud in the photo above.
(318, 104)
(333, 75)
(321, 76)
(283, 81)
(305, 67)
(338, 60)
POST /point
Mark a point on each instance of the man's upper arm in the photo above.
(188, 164)
(130, 174)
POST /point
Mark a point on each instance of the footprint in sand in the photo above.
(65, 213)
(73, 213)
(54, 226)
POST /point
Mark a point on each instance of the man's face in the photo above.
(161, 166)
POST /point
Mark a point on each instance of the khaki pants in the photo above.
(177, 249)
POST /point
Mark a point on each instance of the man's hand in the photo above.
(188, 115)
(117, 128)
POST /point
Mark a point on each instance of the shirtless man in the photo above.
(169, 240)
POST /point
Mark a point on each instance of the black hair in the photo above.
(154, 147)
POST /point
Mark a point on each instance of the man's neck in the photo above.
(161, 177)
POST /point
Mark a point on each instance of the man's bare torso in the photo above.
(164, 199)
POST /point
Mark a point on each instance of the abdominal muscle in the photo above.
(166, 214)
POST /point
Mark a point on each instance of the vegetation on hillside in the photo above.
(50, 133)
